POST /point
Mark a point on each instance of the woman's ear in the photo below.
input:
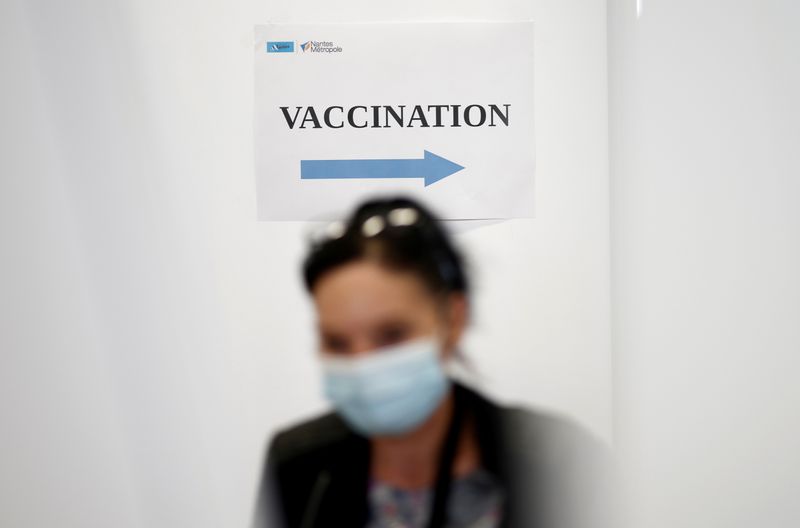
(456, 312)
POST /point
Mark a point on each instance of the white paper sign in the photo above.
(438, 111)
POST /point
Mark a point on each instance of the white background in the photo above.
(154, 333)
(705, 131)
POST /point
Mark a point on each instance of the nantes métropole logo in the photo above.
(320, 46)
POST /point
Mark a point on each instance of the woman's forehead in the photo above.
(367, 291)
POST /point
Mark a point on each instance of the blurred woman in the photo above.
(407, 445)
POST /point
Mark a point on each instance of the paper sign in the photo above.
(442, 112)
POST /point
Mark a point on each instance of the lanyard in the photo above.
(444, 475)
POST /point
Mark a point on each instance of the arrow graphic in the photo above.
(431, 168)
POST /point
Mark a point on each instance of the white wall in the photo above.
(705, 128)
(154, 334)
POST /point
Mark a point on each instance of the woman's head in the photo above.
(388, 274)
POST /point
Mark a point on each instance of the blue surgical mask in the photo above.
(389, 391)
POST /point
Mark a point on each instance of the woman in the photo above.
(407, 445)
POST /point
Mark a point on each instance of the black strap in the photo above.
(444, 474)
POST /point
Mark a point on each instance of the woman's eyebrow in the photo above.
(328, 333)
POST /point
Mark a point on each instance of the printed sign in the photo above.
(438, 111)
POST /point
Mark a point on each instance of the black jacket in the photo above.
(554, 474)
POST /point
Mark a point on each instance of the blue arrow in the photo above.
(431, 168)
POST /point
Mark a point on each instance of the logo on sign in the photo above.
(280, 47)
(320, 46)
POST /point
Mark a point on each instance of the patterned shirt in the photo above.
(476, 501)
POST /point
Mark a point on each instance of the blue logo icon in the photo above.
(280, 46)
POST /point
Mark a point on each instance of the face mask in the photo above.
(388, 391)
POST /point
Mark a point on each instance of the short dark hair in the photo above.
(398, 232)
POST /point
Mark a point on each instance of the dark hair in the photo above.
(398, 232)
